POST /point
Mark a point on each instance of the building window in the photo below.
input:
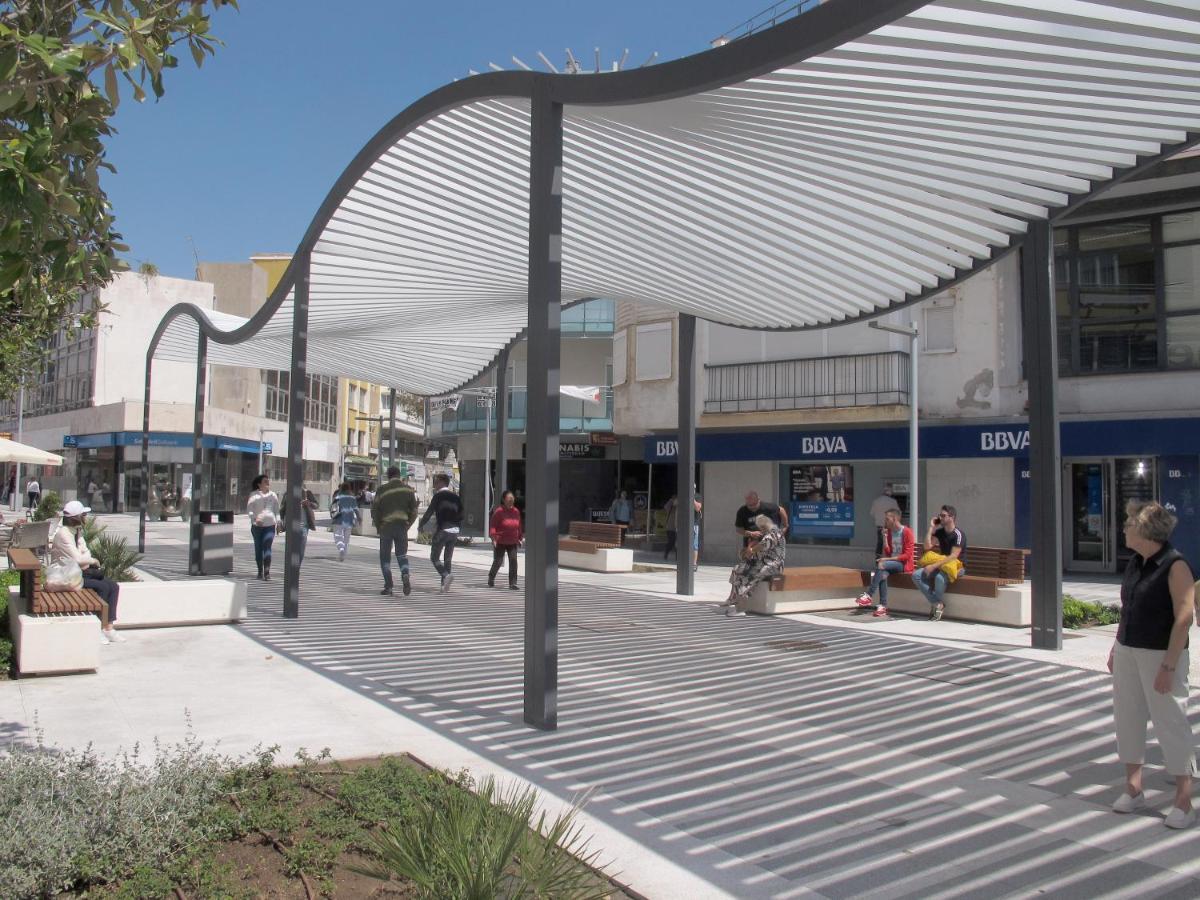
(654, 352)
(937, 332)
(1127, 295)
(592, 317)
(66, 382)
(320, 402)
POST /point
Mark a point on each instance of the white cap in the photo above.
(75, 508)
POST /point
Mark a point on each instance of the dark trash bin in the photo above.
(212, 543)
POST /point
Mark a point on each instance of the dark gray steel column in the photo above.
(297, 395)
(197, 456)
(501, 426)
(145, 458)
(392, 429)
(685, 470)
(1040, 355)
(541, 466)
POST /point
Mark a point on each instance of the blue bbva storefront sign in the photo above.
(1125, 437)
(157, 439)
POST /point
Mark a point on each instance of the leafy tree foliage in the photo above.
(63, 65)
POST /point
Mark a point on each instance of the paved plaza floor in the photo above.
(803, 756)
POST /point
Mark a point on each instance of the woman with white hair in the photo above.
(761, 560)
(1149, 661)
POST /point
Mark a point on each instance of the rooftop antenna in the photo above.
(597, 49)
(549, 65)
(624, 57)
(573, 67)
(653, 57)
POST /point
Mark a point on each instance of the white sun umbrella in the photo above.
(11, 451)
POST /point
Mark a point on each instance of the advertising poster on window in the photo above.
(822, 502)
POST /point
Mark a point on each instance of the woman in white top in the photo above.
(68, 543)
(263, 509)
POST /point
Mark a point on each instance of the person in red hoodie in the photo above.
(899, 547)
(506, 533)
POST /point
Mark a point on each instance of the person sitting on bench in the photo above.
(762, 560)
(68, 544)
(899, 551)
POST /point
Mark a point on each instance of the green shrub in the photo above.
(1085, 614)
(114, 554)
(71, 818)
(483, 844)
(49, 507)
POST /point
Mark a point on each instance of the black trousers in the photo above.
(107, 591)
(497, 555)
(671, 536)
(443, 546)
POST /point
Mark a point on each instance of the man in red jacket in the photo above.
(899, 547)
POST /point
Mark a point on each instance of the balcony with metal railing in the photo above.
(574, 415)
(832, 382)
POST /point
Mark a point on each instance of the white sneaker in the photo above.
(1177, 818)
(733, 612)
(104, 637)
(447, 580)
(1127, 804)
(114, 637)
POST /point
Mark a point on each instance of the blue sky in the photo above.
(239, 155)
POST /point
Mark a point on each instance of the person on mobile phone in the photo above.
(945, 537)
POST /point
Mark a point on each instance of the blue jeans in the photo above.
(264, 537)
(879, 579)
(389, 536)
(933, 590)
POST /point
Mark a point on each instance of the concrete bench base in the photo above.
(1012, 605)
(157, 604)
(612, 560)
(769, 603)
(52, 645)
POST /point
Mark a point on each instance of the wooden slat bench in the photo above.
(993, 590)
(806, 589)
(595, 546)
(43, 602)
(53, 631)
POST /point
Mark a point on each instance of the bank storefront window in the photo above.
(1127, 294)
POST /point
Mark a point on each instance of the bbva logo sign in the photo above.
(822, 446)
(1004, 440)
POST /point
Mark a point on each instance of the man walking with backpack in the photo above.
(446, 506)
(393, 512)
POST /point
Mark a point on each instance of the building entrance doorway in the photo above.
(1095, 492)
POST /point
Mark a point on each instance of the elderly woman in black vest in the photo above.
(1149, 661)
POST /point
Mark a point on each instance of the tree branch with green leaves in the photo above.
(62, 66)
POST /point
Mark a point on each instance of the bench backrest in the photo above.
(31, 535)
(25, 561)
(1005, 564)
(599, 532)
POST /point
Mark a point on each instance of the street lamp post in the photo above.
(911, 332)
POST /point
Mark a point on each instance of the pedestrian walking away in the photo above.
(944, 561)
(445, 506)
(899, 552)
(743, 522)
(393, 511)
(33, 490)
(621, 512)
(762, 559)
(1149, 660)
(308, 510)
(69, 544)
(344, 514)
(672, 512)
(263, 510)
(506, 532)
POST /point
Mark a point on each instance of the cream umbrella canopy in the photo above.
(11, 451)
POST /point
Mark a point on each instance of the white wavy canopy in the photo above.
(828, 190)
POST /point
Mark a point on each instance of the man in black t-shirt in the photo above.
(944, 536)
(743, 522)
